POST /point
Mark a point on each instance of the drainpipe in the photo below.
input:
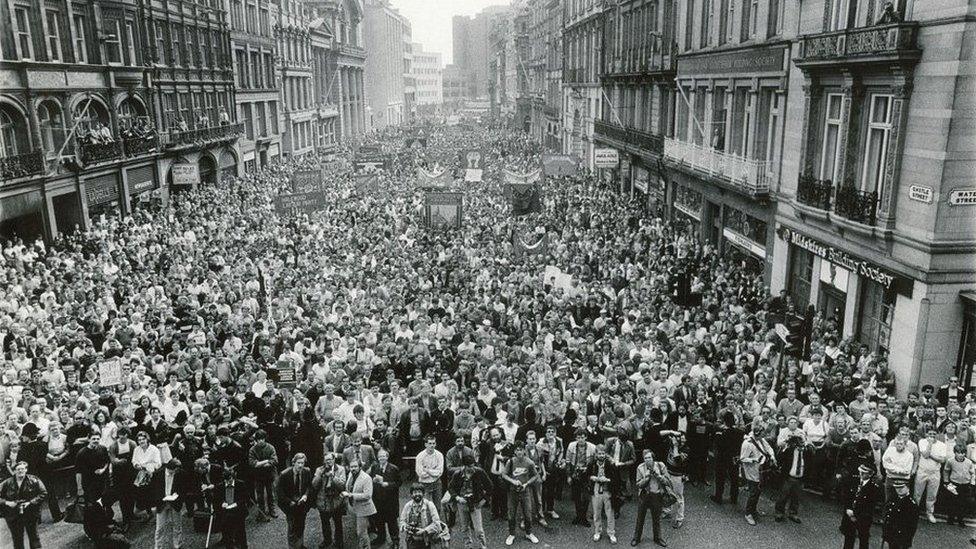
(916, 371)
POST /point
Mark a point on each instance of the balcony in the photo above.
(203, 136)
(96, 153)
(135, 146)
(856, 205)
(753, 177)
(21, 165)
(814, 192)
(629, 136)
(879, 43)
(352, 51)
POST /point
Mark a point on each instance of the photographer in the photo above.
(758, 467)
(419, 520)
(470, 488)
(791, 443)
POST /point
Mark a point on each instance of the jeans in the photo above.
(602, 507)
(790, 494)
(24, 525)
(519, 500)
(331, 526)
(647, 503)
(499, 497)
(549, 488)
(927, 483)
(579, 498)
(678, 509)
(264, 492)
(434, 491)
(472, 527)
(169, 528)
(755, 491)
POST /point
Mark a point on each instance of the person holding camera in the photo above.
(792, 444)
(758, 466)
(20, 499)
(470, 488)
(419, 520)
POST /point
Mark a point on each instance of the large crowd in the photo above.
(142, 371)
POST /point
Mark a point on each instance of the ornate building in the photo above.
(258, 103)
(299, 110)
(582, 49)
(345, 63)
(77, 110)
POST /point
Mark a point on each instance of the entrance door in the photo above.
(208, 171)
(833, 302)
(67, 213)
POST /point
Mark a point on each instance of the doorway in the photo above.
(67, 213)
(833, 303)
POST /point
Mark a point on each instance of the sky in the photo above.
(430, 20)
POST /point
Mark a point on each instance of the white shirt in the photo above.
(937, 452)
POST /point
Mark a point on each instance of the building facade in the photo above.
(453, 88)
(876, 222)
(385, 32)
(544, 71)
(637, 79)
(345, 64)
(470, 44)
(326, 125)
(256, 75)
(582, 50)
(428, 78)
(294, 38)
(724, 158)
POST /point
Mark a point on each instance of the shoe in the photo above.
(795, 519)
(661, 542)
(613, 539)
(532, 538)
(585, 523)
(780, 518)
(596, 536)
(751, 520)
(634, 542)
(678, 523)
(553, 515)
(509, 540)
(717, 500)
(542, 521)
(931, 518)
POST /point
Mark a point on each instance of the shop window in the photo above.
(801, 275)
(877, 313)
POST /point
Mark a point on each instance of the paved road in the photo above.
(708, 526)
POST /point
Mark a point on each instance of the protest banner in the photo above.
(299, 202)
(472, 159)
(366, 183)
(433, 179)
(443, 209)
(530, 241)
(473, 175)
(110, 373)
(306, 181)
(416, 142)
(558, 165)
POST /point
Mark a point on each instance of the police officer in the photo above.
(900, 518)
(855, 523)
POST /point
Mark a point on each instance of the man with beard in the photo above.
(495, 453)
(419, 520)
(359, 497)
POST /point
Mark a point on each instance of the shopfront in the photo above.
(744, 240)
(22, 216)
(142, 185)
(102, 196)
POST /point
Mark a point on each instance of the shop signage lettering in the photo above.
(745, 243)
(606, 158)
(101, 190)
(921, 194)
(185, 174)
(962, 197)
(838, 257)
(752, 60)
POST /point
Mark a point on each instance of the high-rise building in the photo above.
(453, 88)
(386, 32)
(256, 75)
(470, 45)
(428, 79)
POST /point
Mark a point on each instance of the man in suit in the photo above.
(359, 495)
(328, 483)
(855, 523)
(337, 440)
(294, 486)
(386, 491)
(20, 499)
(359, 450)
(168, 492)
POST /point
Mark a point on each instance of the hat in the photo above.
(30, 431)
(866, 467)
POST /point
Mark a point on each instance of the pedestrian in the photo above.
(386, 495)
(520, 473)
(858, 515)
(602, 474)
(651, 482)
(328, 484)
(791, 442)
(728, 443)
(758, 460)
(170, 492)
(359, 498)
(294, 486)
(959, 477)
(579, 454)
(263, 461)
(20, 499)
(429, 466)
(900, 517)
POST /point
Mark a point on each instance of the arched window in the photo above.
(130, 113)
(51, 125)
(8, 134)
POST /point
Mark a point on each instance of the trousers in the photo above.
(472, 526)
(647, 503)
(602, 507)
(24, 525)
(169, 528)
(519, 500)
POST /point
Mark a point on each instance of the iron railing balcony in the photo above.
(858, 45)
(814, 192)
(21, 165)
(205, 135)
(750, 176)
(96, 153)
(630, 136)
(856, 205)
(134, 146)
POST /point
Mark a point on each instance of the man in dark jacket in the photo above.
(386, 494)
(728, 442)
(20, 499)
(855, 523)
(470, 488)
(294, 486)
(92, 463)
(900, 518)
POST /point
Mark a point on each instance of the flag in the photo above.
(531, 242)
(524, 191)
(366, 183)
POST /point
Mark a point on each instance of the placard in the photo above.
(443, 209)
(558, 165)
(306, 181)
(299, 202)
(109, 373)
(472, 159)
(285, 378)
(606, 158)
(185, 174)
(472, 175)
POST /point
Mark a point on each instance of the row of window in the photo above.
(878, 124)
(186, 45)
(252, 19)
(718, 20)
(255, 69)
(195, 110)
(260, 119)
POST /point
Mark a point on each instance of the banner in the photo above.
(370, 164)
(305, 202)
(110, 373)
(434, 179)
(306, 181)
(522, 178)
(558, 165)
(185, 174)
(366, 183)
(472, 159)
(416, 142)
(526, 198)
(369, 150)
(530, 242)
(443, 209)
(473, 175)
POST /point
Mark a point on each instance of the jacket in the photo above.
(288, 491)
(574, 452)
(754, 453)
(609, 471)
(178, 488)
(361, 500)
(900, 521)
(365, 455)
(327, 488)
(481, 486)
(861, 501)
(30, 493)
(261, 452)
(386, 494)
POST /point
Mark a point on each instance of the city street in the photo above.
(707, 526)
